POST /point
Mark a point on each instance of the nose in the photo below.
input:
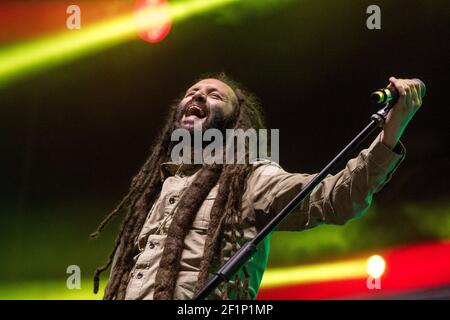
(199, 97)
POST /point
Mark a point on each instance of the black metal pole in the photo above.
(226, 272)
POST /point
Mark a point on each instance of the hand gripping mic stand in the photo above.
(225, 273)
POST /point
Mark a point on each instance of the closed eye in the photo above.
(216, 96)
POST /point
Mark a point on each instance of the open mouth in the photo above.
(195, 110)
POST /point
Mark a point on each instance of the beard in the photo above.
(215, 119)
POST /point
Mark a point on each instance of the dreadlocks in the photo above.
(225, 221)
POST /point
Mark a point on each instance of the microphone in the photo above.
(390, 94)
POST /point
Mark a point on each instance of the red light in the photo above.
(160, 28)
(410, 268)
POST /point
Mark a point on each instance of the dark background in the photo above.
(73, 136)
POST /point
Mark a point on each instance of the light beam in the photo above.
(37, 55)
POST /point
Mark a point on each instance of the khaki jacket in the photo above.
(336, 200)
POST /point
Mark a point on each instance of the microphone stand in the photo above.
(225, 273)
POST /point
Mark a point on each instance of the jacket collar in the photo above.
(169, 169)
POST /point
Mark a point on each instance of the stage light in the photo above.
(162, 24)
(376, 266)
(37, 55)
(350, 269)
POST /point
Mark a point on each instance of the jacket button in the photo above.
(171, 200)
(139, 275)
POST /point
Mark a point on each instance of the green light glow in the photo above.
(352, 269)
(54, 50)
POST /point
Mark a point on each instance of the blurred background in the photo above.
(80, 109)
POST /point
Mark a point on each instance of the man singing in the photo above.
(184, 220)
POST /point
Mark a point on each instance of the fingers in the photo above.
(400, 86)
(408, 90)
(418, 89)
(415, 93)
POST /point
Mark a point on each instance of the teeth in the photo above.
(191, 111)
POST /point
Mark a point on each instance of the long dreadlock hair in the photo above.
(225, 220)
